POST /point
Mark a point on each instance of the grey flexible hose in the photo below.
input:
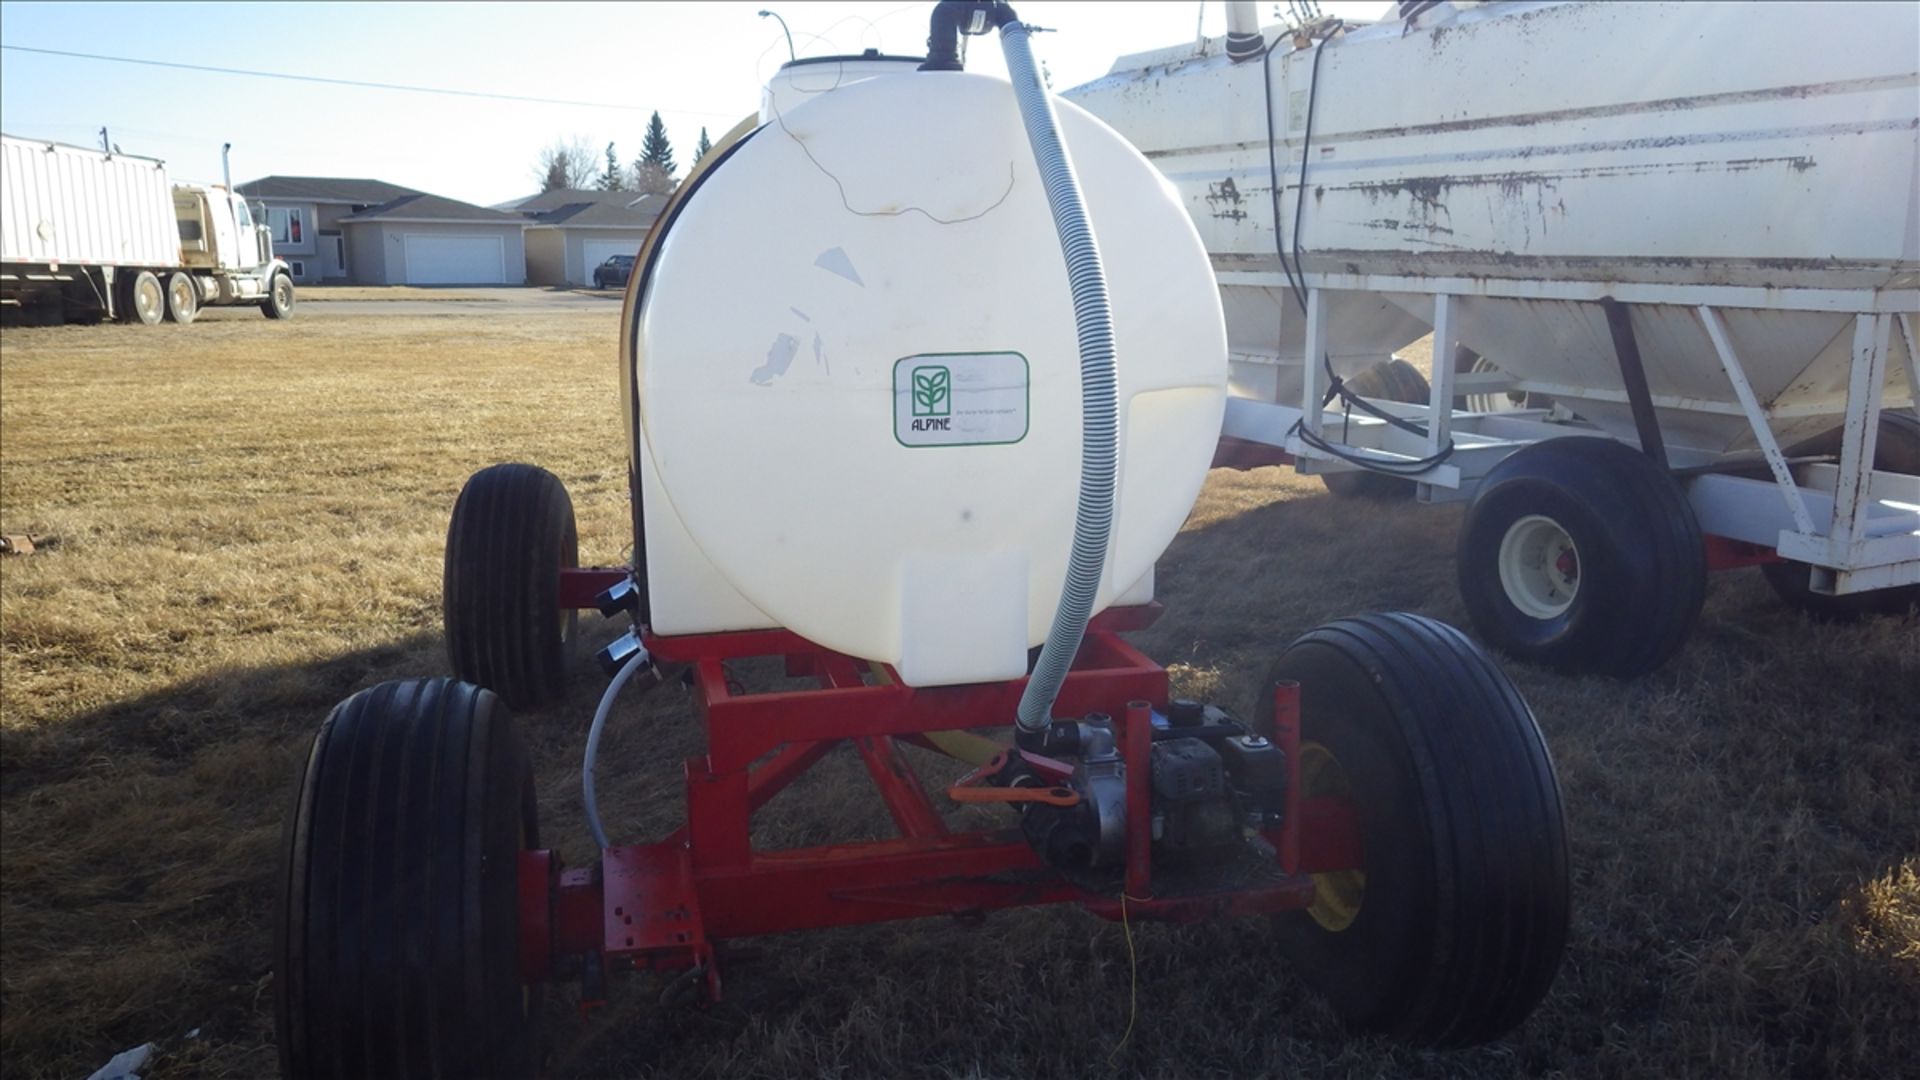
(1093, 318)
(587, 794)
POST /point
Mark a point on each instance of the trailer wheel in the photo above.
(279, 301)
(1392, 379)
(1896, 449)
(398, 931)
(512, 533)
(1468, 362)
(1581, 554)
(1452, 929)
(143, 301)
(183, 298)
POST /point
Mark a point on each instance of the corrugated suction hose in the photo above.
(1093, 318)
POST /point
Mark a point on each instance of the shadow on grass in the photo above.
(1739, 822)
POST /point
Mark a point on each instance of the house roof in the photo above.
(331, 189)
(418, 207)
(560, 197)
(605, 215)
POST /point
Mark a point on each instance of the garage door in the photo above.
(595, 252)
(455, 260)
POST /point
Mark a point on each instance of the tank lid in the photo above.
(870, 54)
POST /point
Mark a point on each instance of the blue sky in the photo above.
(698, 63)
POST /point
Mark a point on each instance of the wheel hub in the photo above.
(1337, 894)
(1539, 567)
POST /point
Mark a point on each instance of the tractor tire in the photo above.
(279, 301)
(183, 298)
(1392, 379)
(143, 301)
(1453, 928)
(397, 951)
(1896, 449)
(512, 533)
(1582, 554)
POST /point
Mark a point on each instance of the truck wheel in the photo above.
(1452, 929)
(512, 532)
(279, 301)
(183, 298)
(1581, 554)
(398, 930)
(143, 301)
(1896, 449)
(1392, 379)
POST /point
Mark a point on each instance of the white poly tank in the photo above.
(859, 386)
(799, 81)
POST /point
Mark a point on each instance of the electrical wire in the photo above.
(1133, 978)
(1336, 386)
(352, 82)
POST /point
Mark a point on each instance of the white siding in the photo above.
(71, 205)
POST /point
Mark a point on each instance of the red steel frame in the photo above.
(663, 904)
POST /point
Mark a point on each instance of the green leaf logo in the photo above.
(932, 391)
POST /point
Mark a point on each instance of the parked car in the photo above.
(613, 273)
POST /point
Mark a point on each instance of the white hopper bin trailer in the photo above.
(919, 374)
(1693, 227)
(91, 234)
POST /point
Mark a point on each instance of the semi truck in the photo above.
(87, 235)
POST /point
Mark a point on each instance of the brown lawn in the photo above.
(249, 520)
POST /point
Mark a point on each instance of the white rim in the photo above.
(1501, 401)
(1539, 567)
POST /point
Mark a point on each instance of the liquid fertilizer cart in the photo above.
(1684, 278)
(896, 417)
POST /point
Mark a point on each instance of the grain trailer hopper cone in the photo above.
(1692, 229)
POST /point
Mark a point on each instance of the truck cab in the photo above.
(218, 230)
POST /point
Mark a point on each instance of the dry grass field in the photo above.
(249, 519)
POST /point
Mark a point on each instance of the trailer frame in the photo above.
(663, 905)
(1856, 526)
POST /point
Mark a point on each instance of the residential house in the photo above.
(431, 240)
(304, 213)
(566, 242)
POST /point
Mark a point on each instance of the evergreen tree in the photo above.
(700, 148)
(655, 149)
(614, 178)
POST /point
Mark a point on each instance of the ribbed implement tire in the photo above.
(1392, 379)
(512, 532)
(1896, 449)
(398, 949)
(1642, 562)
(1465, 908)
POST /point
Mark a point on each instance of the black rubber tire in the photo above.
(1392, 379)
(142, 300)
(1464, 361)
(1896, 449)
(1641, 563)
(279, 301)
(512, 532)
(1466, 902)
(398, 933)
(183, 298)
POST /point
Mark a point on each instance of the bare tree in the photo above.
(566, 163)
(652, 179)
